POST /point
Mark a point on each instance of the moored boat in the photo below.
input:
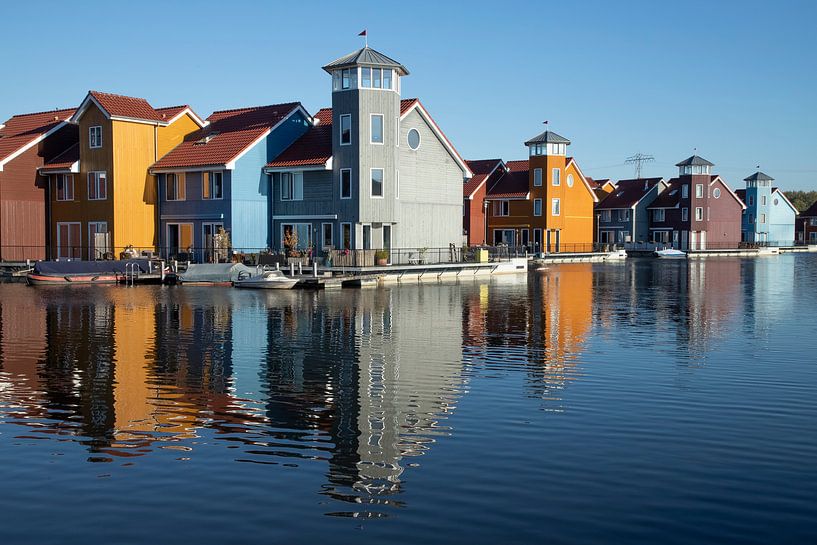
(266, 280)
(670, 253)
(82, 272)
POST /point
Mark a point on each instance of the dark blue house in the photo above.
(214, 180)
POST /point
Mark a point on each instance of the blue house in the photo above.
(214, 180)
(769, 216)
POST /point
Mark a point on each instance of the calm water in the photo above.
(646, 402)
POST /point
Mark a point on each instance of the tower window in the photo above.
(557, 176)
(717, 193)
(537, 177)
(346, 78)
(377, 129)
(345, 129)
(377, 182)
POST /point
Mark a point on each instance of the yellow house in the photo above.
(102, 197)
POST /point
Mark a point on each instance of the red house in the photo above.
(474, 211)
(27, 141)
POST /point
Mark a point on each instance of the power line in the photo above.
(638, 160)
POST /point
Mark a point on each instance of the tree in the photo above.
(801, 200)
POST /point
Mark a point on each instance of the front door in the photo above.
(69, 242)
(180, 241)
(387, 240)
(537, 240)
(525, 237)
(211, 253)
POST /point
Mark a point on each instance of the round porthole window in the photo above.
(776, 202)
(569, 180)
(414, 139)
(716, 193)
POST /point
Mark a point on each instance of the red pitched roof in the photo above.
(25, 128)
(229, 133)
(514, 184)
(64, 160)
(124, 106)
(407, 103)
(169, 112)
(481, 170)
(627, 193)
(313, 148)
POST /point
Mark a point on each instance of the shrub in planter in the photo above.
(381, 257)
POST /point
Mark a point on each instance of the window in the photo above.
(413, 139)
(99, 241)
(97, 186)
(377, 78)
(537, 177)
(212, 185)
(624, 236)
(751, 219)
(69, 243)
(763, 218)
(624, 215)
(557, 176)
(658, 215)
(605, 216)
(377, 129)
(65, 187)
(569, 180)
(502, 208)
(813, 222)
(751, 200)
(346, 235)
(296, 235)
(699, 191)
(346, 78)
(346, 183)
(685, 191)
(377, 182)
(365, 77)
(367, 237)
(685, 214)
(174, 187)
(537, 207)
(95, 137)
(336, 80)
(555, 207)
(387, 78)
(327, 235)
(717, 193)
(699, 214)
(763, 200)
(292, 186)
(397, 131)
(345, 129)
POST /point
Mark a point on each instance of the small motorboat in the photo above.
(670, 253)
(265, 280)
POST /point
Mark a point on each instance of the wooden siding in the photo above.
(131, 188)
(171, 136)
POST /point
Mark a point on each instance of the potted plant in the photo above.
(381, 257)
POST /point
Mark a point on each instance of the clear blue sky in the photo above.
(735, 79)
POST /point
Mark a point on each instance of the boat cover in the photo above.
(214, 272)
(63, 268)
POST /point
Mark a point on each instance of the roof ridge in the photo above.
(298, 102)
(172, 107)
(117, 95)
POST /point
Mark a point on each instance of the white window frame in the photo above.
(556, 207)
(340, 129)
(92, 249)
(570, 180)
(397, 131)
(295, 182)
(763, 200)
(419, 137)
(95, 137)
(214, 225)
(762, 217)
(699, 213)
(659, 215)
(685, 214)
(537, 177)
(346, 78)
(97, 175)
(556, 173)
(382, 129)
(535, 203)
(382, 183)
(396, 184)
(69, 244)
(65, 186)
(331, 244)
(502, 208)
(717, 193)
(175, 187)
(351, 236)
(340, 183)
(699, 191)
(211, 176)
(294, 226)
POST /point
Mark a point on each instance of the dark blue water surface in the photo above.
(640, 402)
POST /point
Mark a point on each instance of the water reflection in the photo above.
(362, 382)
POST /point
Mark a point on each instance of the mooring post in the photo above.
(300, 268)
(162, 264)
(292, 269)
(315, 269)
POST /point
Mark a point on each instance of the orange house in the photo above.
(545, 202)
(102, 197)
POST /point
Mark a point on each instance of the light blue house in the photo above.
(214, 180)
(769, 216)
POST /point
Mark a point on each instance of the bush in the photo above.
(381, 254)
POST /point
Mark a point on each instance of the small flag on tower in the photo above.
(362, 33)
